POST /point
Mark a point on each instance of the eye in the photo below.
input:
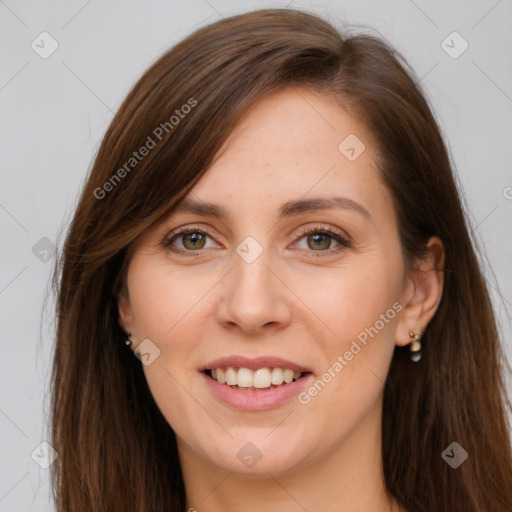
(188, 240)
(321, 240)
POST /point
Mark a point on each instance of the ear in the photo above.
(422, 293)
(124, 308)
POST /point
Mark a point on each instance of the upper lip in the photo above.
(238, 361)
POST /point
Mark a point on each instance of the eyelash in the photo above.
(343, 242)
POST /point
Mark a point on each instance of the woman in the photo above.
(272, 227)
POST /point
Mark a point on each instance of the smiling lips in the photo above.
(241, 373)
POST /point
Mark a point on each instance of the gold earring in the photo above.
(415, 346)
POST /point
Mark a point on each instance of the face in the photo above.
(296, 274)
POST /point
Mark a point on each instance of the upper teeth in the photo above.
(260, 378)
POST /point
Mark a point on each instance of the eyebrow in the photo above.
(288, 209)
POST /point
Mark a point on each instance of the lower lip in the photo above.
(256, 400)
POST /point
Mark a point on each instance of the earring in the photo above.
(128, 342)
(415, 346)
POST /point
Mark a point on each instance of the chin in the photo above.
(256, 457)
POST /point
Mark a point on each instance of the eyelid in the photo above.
(342, 239)
(175, 233)
(335, 232)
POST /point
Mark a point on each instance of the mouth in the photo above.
(259, 379)
(255, 384)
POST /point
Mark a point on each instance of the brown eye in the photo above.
(188, 240)
(320, 241)
(193, 241)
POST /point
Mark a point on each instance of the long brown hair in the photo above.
(116, 450)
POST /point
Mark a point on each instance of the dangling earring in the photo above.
(415, 346)
(128, 342)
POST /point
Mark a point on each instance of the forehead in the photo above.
(294, 143)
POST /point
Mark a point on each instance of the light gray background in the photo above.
(55, 111)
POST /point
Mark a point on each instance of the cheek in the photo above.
(163, 299)
(351, 299)
(166, 305)
(359, 305)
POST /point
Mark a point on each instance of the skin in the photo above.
(324, 455)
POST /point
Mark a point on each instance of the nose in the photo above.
(254, 300)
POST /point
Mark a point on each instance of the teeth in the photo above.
(244, 378)
(231, 379)
(262, 378)
(277, 376)
(288, 376)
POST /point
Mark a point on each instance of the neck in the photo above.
(347, 478)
